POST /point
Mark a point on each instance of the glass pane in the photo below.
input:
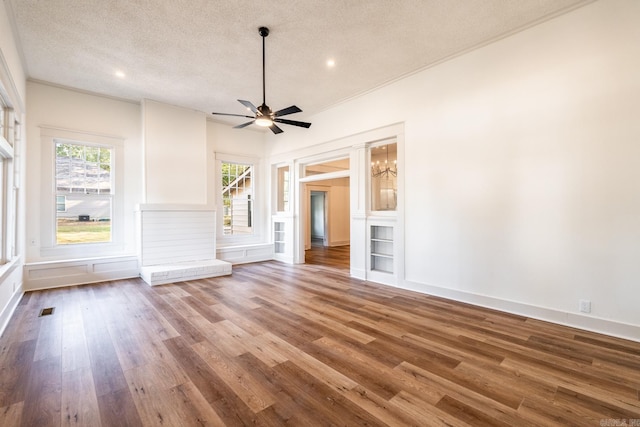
(86, 219)
(384, 177)
(2, 118)
(76, 151)
(91, 154)
(61, 204)
(92, 173)
(83, 201)
(9, 126)
(283, 188)
(237, 199)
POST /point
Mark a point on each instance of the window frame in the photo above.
(370, 179)
(283, 187)
(257, 204)
(49, 247)
(84, 195)
(9, 139)
(12, 152)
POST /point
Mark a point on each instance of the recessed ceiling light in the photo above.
(331, 63)
(120, 74)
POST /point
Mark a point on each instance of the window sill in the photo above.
(82, 251)
(7, 268)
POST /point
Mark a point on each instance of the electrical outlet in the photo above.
(585, 306)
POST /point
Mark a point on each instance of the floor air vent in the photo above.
(46, 311)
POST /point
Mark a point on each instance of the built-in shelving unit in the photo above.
(382, 248)
(278, 237)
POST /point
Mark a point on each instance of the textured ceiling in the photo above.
(205, 54)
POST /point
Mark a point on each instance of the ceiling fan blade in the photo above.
(293, 122)
(275, 129)
(244, 125)
(235, 115)
(249, 105)
(288, 110)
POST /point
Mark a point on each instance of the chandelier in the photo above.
(384, 170)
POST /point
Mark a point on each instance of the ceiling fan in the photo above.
(263, 115)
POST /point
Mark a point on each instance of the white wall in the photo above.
(10, 54)
(75, 111)
(175, 154)
(521, 168)
(222, 138)
(339, 212)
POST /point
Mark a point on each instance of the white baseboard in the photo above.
(10, 308)
(56, 274)
(575, 320)
(288, 259)
(358, 273)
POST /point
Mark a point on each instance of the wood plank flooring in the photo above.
(276, 344)
(337, 257)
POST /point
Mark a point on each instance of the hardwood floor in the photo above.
(337, 257)
(304, 345)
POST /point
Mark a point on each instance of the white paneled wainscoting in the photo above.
(178, 242)
(55, 274)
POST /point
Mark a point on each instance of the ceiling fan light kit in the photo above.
(263, 121)
(264, 116)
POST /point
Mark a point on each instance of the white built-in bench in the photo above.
(178, 243)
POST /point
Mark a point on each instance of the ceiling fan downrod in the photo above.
(264, 32)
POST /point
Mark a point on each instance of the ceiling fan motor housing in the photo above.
(264, 110)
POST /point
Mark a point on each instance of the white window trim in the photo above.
(8, 249)
(49, 247)
(12, 107)
(257, 206)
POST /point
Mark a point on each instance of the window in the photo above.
(384, 177)
(61, 203)
(283, 188)
(82, 207)
(237, 198)
(9, 138)
(83, 192)
(3, 117)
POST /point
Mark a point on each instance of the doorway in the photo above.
(327, 230)
(325, 220)
(318, 221)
